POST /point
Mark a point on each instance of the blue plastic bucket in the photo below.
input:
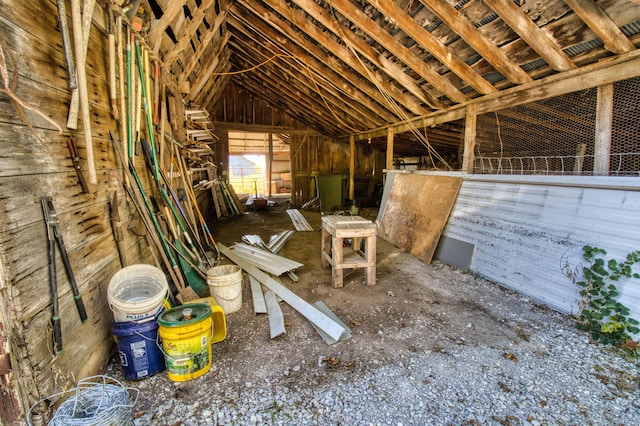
(140, 355)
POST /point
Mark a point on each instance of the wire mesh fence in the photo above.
(556, 136)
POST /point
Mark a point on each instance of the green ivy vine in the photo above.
(601, 314)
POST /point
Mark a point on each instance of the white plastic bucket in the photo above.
(225, 285)
(136, 293)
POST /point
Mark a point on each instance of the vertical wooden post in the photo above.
(270, 163)
(390, 136)
(469, 139)
(293, 149)
(604, 121)
(352, 166)
(580, 152)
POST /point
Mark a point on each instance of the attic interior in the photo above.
(164, 95)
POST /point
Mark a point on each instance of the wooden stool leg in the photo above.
(336, 257)
(370, 253)
(356, 244)
(325, 248)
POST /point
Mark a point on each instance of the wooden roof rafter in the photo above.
(424, 38)
(363, 48)
(321, 76)
(207, 71)
(292, 82)
(302, 77)
(478, 41)
(384, 62)
(321, 63)
(533, 35)
(339, 50)
(217, 65)
(399, 51)
(189, 33)
(600, 23)
(207, 40)
(305, 113)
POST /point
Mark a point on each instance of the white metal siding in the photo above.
(526, 228)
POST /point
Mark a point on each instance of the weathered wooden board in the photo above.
(416, 212)
(31, 169)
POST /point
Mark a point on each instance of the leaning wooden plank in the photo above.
(265, 260)
(298, 220)
(259, 304)
(307, 310)
(221, 202)
(276, 319)
(325, 310)
(235, 198)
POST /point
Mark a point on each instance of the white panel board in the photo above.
(526, 228)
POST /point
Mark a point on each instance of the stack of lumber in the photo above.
(225, 200)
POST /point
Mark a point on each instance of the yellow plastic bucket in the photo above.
(186, 333)
(219, 319)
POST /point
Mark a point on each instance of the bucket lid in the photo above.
(184, 315)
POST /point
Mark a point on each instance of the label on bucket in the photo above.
(187, 356)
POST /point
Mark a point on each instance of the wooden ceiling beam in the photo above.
(297, 85)
(349, 57)
(223, 66)
(606, 71)
(305, 107)
(189, 32)
(441, 52)
(334, 72)
(331, 95)
(534, 36)
(206, 41)
(601, 24)
(478, 41)
(220, 71)
(216, 90)
(307, 47)
(372, 113)
(397, 49)
(206, 72)
(168, 15)
(302, 115)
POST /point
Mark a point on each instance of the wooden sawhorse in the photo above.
(335, 229)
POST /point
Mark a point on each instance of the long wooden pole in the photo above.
(81, 32)
(82, 86)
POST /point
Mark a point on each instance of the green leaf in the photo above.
(633, 321)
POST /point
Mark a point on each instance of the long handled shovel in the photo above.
(153, 226)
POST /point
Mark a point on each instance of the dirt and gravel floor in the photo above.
(414, 312)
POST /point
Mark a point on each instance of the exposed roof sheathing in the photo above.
(345, 66)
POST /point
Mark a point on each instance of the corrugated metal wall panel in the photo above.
(525, 229)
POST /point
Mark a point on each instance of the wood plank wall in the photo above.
(314, 155)
(31, 169)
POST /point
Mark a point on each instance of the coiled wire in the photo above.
(98, 400)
